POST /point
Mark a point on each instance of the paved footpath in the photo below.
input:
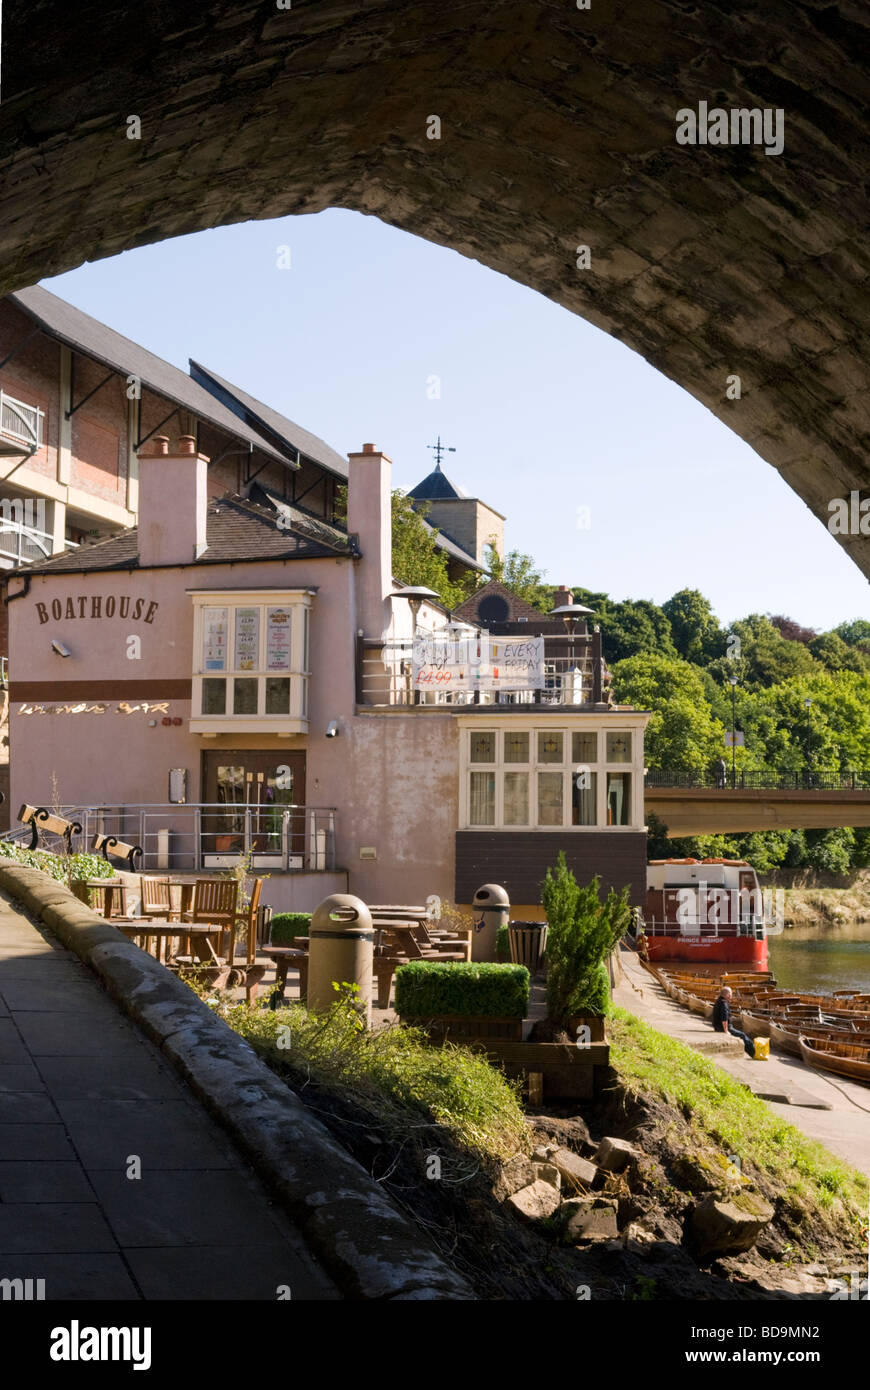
(82, 1096)
(832, 1110)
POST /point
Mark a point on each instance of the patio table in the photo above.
(139, 928)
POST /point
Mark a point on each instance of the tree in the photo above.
(581, 932)
(792, 631)
(768, 656)
(682, 732)
(833, 652)
(518, 573)
(634, 626)
(695, 628)
(855, 633)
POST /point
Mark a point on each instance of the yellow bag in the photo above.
(762, 1049)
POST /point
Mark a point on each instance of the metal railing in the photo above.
(763, 779)
(206, 835)
(385, 677)
(22, 543)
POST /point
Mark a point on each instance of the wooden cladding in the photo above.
(518, 861)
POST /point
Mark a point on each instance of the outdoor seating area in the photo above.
(200, 924)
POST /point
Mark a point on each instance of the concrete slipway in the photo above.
(832, 1110)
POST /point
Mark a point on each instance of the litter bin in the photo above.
(341, 944)
(528, 944)
(492, 908)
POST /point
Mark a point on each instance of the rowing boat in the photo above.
(788, 1035)
(845, 1059)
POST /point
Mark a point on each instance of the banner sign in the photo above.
(479, 662)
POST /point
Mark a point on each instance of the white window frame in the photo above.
(633, 724)
(296, 721)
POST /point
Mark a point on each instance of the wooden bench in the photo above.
(38, 818)
(119, 849)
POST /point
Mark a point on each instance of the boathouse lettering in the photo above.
(98, 606)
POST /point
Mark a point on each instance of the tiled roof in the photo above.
(93, 339)
(236, 529)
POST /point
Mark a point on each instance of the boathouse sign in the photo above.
(99, 606)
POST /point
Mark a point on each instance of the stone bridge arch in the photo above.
(557, 131)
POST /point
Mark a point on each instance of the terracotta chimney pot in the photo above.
(186, 444)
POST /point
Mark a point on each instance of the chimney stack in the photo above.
(173, 501)
(370, 517)
(562, 597)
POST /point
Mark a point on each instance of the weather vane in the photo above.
(440, 449)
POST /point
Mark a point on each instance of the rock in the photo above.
(578, 1172)
(569, 1134)
(727, 1225)
(542, 1153)
(589, 1218)
(516, 1173)
(615, 1154)
(548, 1173)
(535, 1202)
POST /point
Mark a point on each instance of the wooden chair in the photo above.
(216, 900)
(156, 897)
(247, 919)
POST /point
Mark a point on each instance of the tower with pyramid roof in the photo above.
(468, 522)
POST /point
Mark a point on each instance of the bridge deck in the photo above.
(710, 811)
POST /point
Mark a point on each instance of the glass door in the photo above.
(264, 799)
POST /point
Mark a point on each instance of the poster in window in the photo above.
(278, 639)
(247, 639)
(214, 639)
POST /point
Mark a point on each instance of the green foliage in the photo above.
(503, 944)
(695, 628)
(518, 573)
(63, 868)
(722, 1111)
(632, 627)
(393, 1080)
(830, 850)
(426, 989)
(837, 655)
(582, 931)
(286, 926)
(682, 731)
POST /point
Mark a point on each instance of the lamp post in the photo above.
(808, 704)
(571, 613)
(416, 595)
(732, 680)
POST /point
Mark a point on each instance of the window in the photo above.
(546, 778)
(619, 747)
(251, 661)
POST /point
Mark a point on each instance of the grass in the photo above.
(407, 1087)
(720, 1110)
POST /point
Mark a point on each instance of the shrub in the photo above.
(503, 944)
(286, 926)
(64, 868)
(426, 989)
(582, 933)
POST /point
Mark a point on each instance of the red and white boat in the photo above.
(707, 911)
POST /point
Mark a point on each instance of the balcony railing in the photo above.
(207, 835)
(22, 544)
(385, 678)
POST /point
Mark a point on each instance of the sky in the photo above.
(611, 476)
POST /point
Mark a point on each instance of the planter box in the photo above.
(566, 1072)
(462, 1028)
(594, 1022)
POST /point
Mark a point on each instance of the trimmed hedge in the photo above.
(286, 926)
(503, 944)
(428, 989)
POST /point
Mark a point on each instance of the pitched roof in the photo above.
(436, 487)
(514, 606)
(92, 338)
(236, 529)
(262, 417)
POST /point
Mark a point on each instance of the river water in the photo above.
(819, 959)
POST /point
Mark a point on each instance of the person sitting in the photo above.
(722, 1020)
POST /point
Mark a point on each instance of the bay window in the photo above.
(541, 777)
(250, 661)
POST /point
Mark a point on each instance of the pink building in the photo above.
(230, 677)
